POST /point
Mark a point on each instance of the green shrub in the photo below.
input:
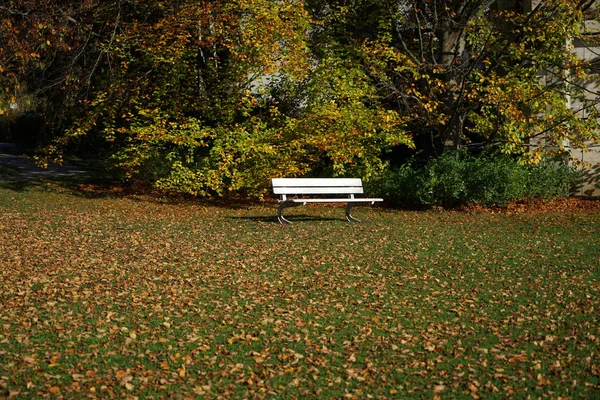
(445, 180)
(551, 179)
(457, 178)
(494, 180)
(401, 185)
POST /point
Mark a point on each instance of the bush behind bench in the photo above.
(457, 178)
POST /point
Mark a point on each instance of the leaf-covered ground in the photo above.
(124, 296)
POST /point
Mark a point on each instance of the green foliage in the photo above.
(551, 179)
(499, 77)
(496, 180)
(189, 99)
(456, 178)
(341, 122)
(331, 121)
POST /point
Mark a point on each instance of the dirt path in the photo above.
(15, 167)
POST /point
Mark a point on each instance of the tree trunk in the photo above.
(452, 46)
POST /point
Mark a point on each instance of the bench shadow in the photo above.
(292, 218)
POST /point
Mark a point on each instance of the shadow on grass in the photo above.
(23, 186)
(93, 186)
(292, 218)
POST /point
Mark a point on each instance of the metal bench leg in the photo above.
(280, 217)
(349, 216)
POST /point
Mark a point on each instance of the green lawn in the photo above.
(116, 296)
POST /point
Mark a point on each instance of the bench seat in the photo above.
(361, 200)
(295, 187)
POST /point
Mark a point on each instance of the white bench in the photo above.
(335, 187)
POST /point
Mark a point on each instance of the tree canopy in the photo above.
(212, 97)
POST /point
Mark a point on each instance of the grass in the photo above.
(108, 295)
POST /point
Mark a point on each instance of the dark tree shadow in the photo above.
(90, 186)
(589, 185)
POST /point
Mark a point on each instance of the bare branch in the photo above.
(399, 36)
(15, 12)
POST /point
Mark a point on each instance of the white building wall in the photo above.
(590, 157)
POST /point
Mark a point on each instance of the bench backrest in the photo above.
(285, 186)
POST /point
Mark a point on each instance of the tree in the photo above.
(467, 72)
(207, 97)
(212, 97)
(32, 33)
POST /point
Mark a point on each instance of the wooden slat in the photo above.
(316, 182)
(318, 190)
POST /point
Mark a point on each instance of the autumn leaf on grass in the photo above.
(29, 359)
(430, 347)
(125, 378)
(439, 388)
